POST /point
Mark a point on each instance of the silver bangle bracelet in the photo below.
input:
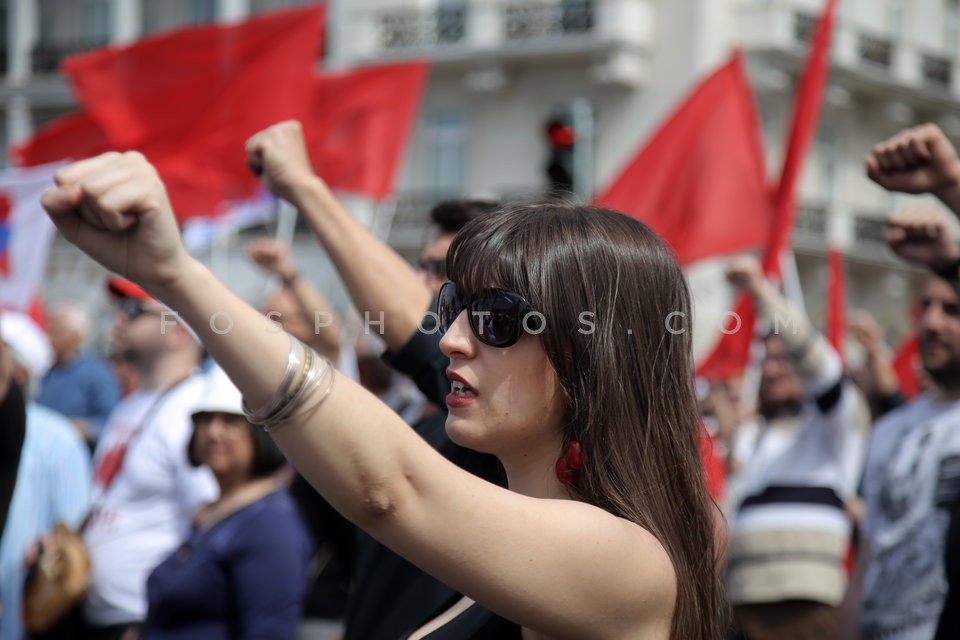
(294, 363)
(321, 374)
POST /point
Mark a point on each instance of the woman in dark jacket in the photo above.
(243, 572)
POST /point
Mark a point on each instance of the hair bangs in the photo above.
(493, 251)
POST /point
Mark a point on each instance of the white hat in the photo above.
(219, 395)
(28, 340)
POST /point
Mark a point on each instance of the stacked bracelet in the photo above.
(295, 359)
(306, 371)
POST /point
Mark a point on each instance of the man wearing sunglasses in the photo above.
(391, 596)
(448, 217)
(145, 490)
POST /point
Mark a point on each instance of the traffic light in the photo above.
(562, 141)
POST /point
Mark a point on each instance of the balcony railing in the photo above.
(48, 55)
(875, 51)
(458, 31)
(525, 20)
(804, 27)
(936, 70)
(811, 219)
(868, 228)
(401, 28)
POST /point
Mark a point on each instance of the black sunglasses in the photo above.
(436, 268)
(496, 316)
(133, 308)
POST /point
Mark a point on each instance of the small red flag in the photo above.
(836, 299)
(906, 363)
(359, 125)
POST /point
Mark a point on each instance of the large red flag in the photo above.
(73, 136)
(359, 125)
(190, 99)
(699, 181)
(836, 299)
(733, 352)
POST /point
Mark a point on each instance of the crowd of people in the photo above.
(561, 472)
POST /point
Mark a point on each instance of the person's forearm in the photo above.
(950, 196)
(353, 448)
(326, 325)
(378, 279)
(885, 378)
(807, 347)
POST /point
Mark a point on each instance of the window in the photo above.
(446, 152)
(202, 11)
(951, 26)
(895, 17)
(825, 155)
(97, 18)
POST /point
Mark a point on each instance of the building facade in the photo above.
(503, 68)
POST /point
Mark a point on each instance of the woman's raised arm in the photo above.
(558, 566)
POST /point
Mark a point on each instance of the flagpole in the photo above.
(286, 228)
(792, 288)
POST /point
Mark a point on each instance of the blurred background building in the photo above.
(612, 69)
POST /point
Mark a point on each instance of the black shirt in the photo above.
(393, 597)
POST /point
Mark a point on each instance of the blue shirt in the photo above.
(53, 485)
(244, 577)
(83, 388)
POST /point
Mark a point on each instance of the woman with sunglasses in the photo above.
(560, 364)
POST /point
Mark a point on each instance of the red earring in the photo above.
(570, 462)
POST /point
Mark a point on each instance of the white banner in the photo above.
(25, 233)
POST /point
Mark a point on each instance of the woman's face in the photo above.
(224, 443)
(513, 402)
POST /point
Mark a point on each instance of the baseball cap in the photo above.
(28, 340)
(220, 395)
(123, 288)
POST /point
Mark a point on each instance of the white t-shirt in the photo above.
(912, 476)
(145, 496)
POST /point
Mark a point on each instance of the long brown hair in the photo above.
(628, 380)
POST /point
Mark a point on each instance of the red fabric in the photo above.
(189, 99)
(733, 352)
(74, 136)
(715, 467)
(359, 125)
(699, 181)
(803, 126)
(906, 363)
(836, 299)
(38, 311)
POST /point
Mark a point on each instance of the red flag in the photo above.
(37, 310)
(803, 126)
(360, 123)
(733, 352)
(836, 299)
(73, 136)
(906, 363)
(699, 181)
(190, 99)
